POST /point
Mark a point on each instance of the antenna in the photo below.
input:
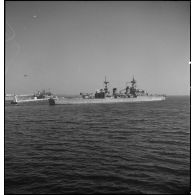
(106, 82)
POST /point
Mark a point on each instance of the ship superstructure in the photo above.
(130, 91)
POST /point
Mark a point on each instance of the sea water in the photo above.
(98, 148)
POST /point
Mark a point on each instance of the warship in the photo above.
(40, 96)
(129, 94)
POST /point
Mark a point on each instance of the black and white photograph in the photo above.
(97, 97)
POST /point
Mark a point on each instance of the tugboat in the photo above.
(129, 94)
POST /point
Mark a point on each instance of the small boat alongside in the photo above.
(37, 97)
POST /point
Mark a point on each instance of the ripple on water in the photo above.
(121, 148)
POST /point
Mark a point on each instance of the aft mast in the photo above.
(106, 85)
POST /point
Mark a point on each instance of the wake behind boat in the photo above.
(129, 94)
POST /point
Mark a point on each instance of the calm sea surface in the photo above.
(106, 148)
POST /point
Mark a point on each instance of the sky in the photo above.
(69, 47)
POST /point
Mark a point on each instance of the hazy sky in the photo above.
(69, 47)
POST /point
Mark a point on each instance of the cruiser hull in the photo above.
(105, 100)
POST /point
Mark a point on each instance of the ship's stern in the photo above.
(51, 101)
